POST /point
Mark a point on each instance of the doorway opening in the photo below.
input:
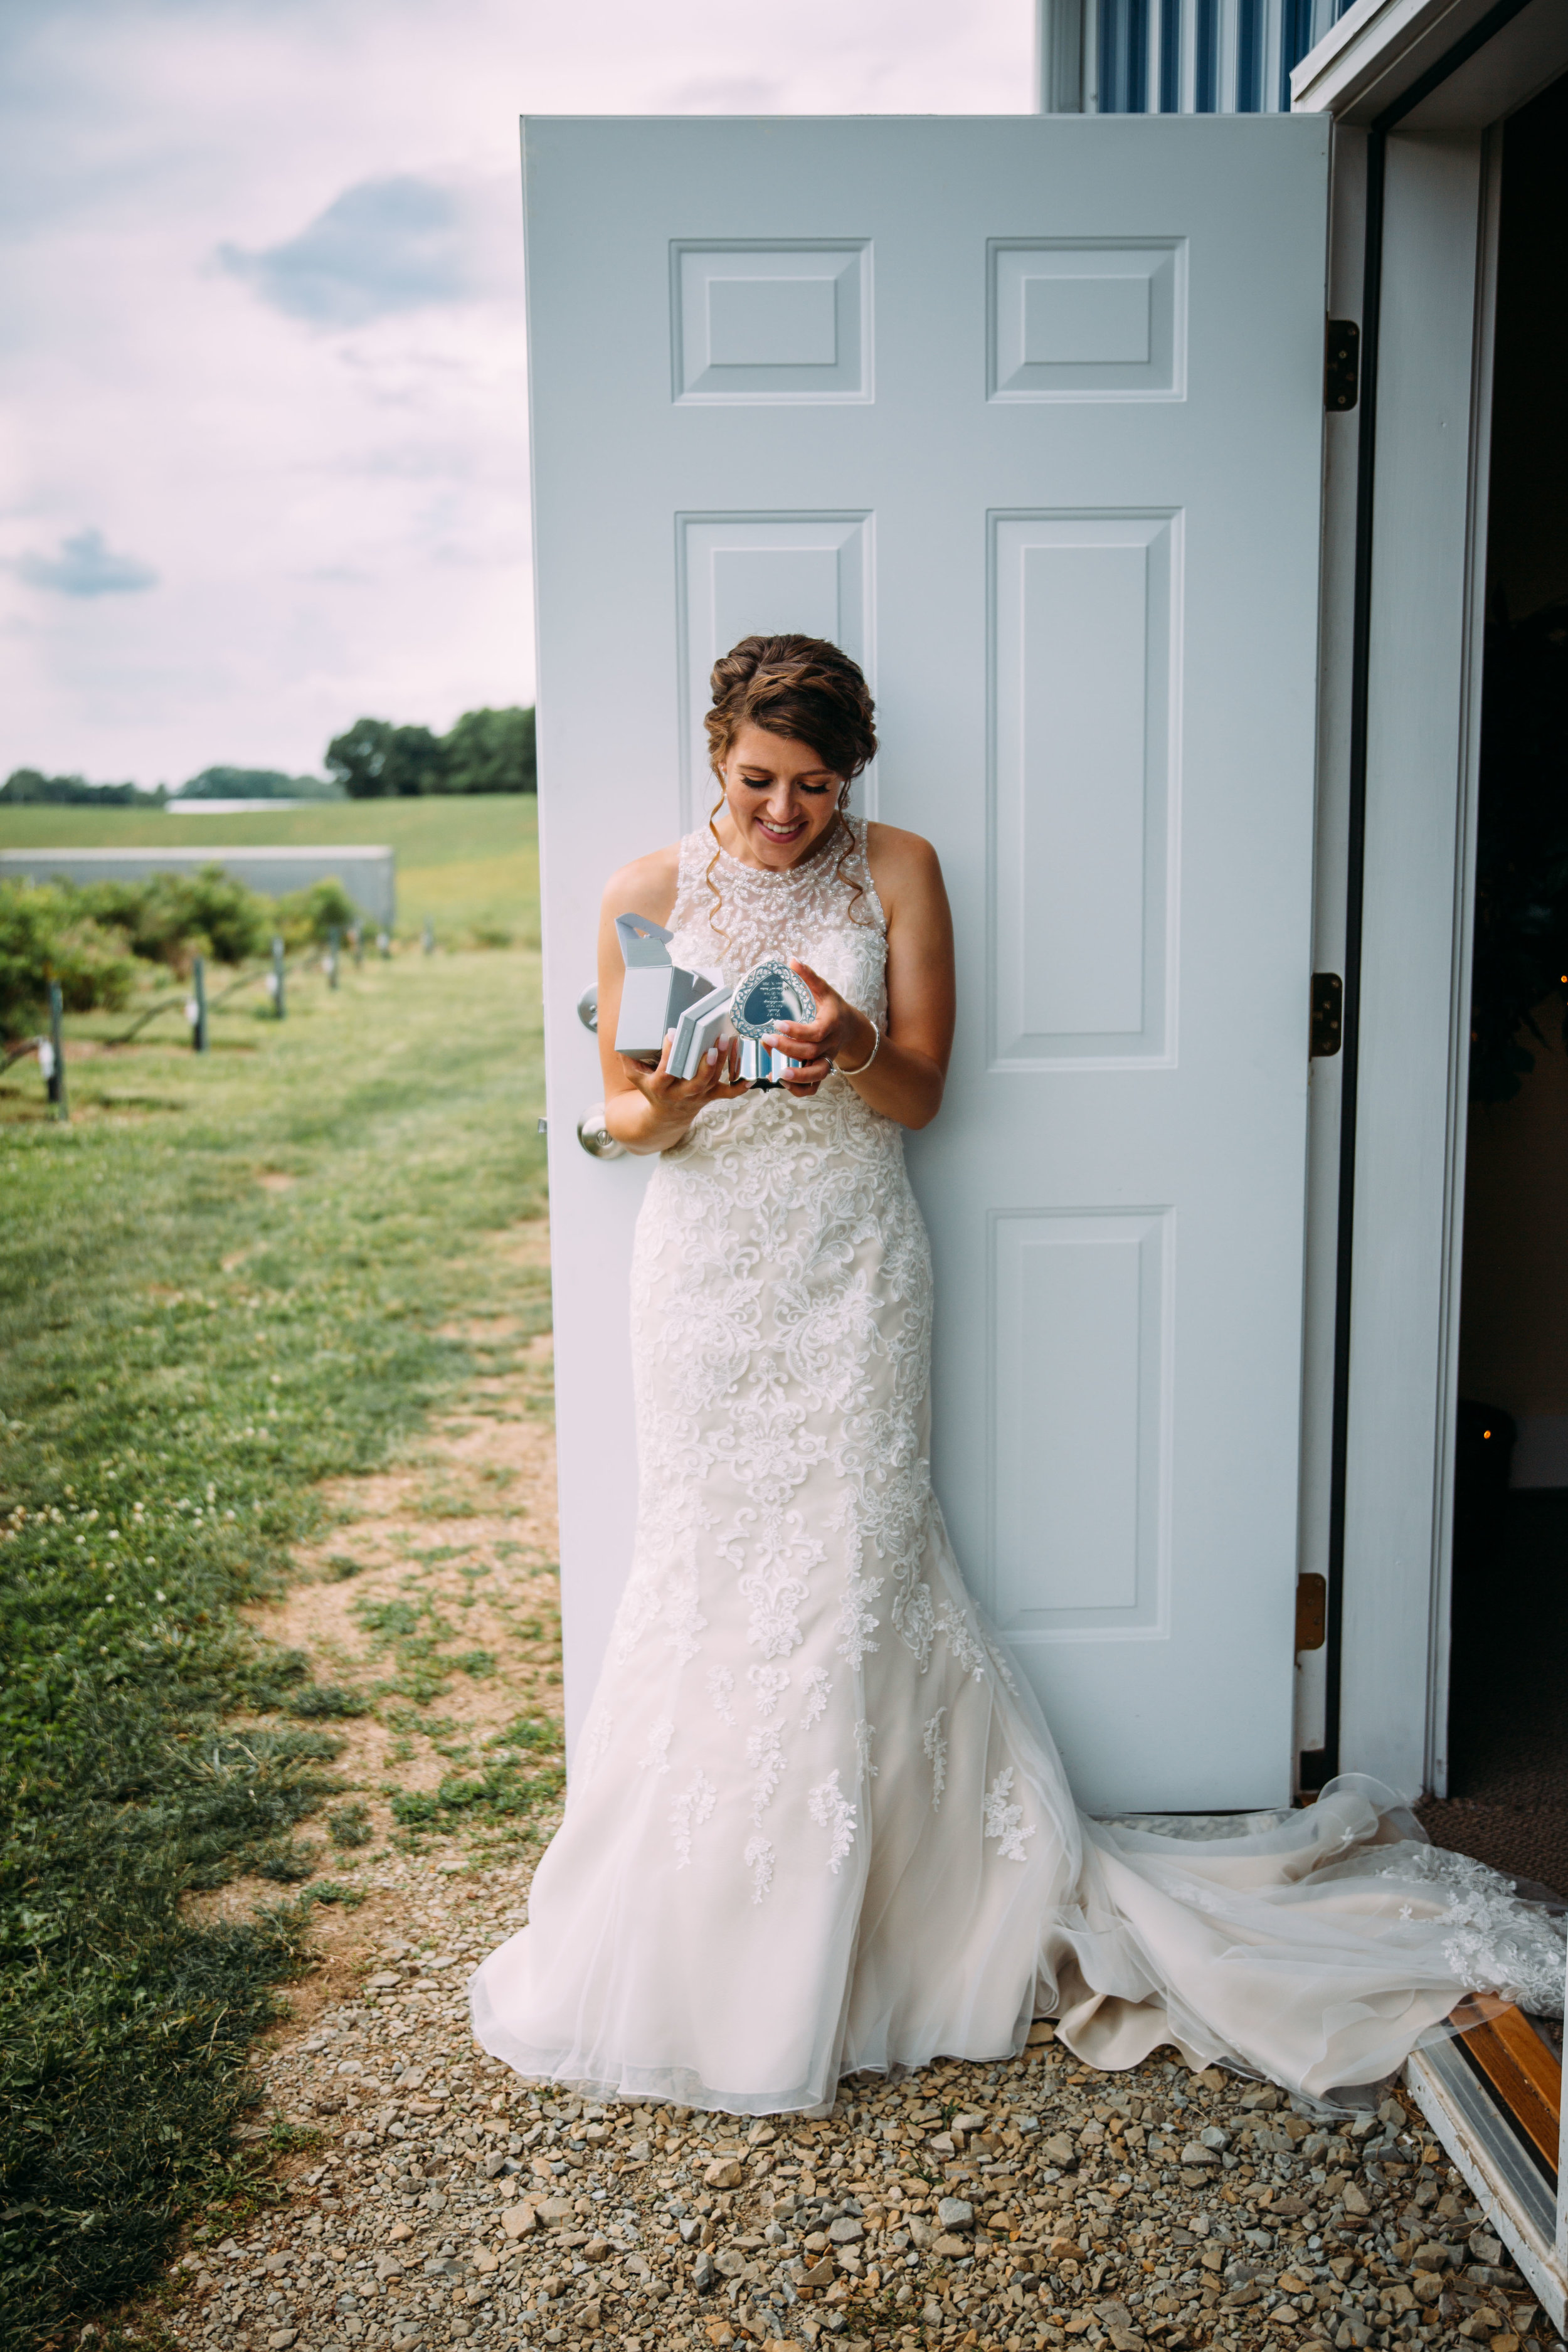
(1508, 1787)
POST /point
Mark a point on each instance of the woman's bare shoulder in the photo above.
(647, 886)
(898, 857)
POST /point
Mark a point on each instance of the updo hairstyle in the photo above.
(807, 690)
(799, 686)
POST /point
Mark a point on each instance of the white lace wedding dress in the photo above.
(815, 1821)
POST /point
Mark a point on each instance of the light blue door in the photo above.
(1026, 413)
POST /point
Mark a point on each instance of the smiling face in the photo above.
(779, 798)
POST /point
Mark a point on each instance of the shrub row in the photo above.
(94, 939)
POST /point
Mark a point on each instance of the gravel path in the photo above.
(1022, 2205)
(442, 2202)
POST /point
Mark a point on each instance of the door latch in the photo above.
(1328, 1014)
(1341, 365)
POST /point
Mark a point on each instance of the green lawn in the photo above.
(471, 862)
(227, 1278)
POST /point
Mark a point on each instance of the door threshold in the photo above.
(1493, 2096)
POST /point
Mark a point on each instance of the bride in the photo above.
(817, 1821)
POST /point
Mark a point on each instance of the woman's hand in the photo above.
(667, 1106)
(838, 1029)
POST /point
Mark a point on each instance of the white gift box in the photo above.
(656, 992)
(700, 1027)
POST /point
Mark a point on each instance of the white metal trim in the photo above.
(1376, 50)
(1480, 2144)
(1415, 758)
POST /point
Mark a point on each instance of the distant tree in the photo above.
(491, 751)
(75, 792)
(256, 785)
(486, 751)
(373, 759)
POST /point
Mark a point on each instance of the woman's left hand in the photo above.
(815, 1045)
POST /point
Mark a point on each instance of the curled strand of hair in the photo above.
(714, 922)
(852, 882)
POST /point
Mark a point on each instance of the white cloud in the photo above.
(264, 325)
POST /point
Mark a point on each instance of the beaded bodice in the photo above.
(825, 911)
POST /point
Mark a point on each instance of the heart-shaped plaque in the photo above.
(770, 992)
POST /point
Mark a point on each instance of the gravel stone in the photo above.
(445, 2203)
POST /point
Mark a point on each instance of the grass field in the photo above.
(470, 862)
(229, 1277)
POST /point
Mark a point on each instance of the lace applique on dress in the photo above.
(968, 1651)
(1498, 1944)
(831, 1810)
(1004, 1821)
(856, 1623)
(765, 1753)
(933, 1746)
(689, 1812)
(769, 1685)
(817, 1686)
(759, 1860)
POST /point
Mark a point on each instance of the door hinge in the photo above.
(1341, 365)
(1311, 1612)
(1328, 1014)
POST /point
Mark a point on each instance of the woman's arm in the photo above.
(906, 1079)
(645, 1110)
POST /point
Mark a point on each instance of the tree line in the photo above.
(484, 752)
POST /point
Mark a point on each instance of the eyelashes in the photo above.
(765, 784)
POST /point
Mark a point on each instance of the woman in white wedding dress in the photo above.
(815, 1821)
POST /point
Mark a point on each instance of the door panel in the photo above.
(1083, 610)
(1027, 413)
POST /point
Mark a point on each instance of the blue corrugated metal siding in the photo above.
(1192, 56)
(1205, 99)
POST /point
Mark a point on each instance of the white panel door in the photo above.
(1026, 413)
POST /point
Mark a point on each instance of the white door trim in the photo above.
(1378, 1699)
(1379, 49)
(1413, 956)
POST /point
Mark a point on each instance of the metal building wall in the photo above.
(1176, 57)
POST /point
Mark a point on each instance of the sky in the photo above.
(263, 376)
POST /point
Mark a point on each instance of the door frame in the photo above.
(1419, 94)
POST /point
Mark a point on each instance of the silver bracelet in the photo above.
(870, 1058)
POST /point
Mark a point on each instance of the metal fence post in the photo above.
(275, 977)
(356, 941)
(197, 1010)
(56, 1074)
(383, 942)
(334, 934)
(429, 936)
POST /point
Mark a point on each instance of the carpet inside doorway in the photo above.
(1508, 1714)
